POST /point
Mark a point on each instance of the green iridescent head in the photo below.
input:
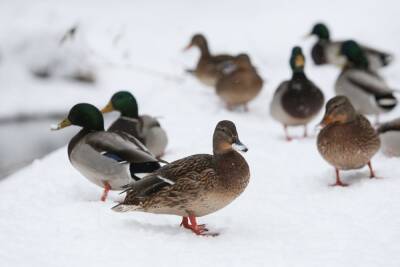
(84, 115)
(297, 59)
(354, 54)
(125, 103)
(321, 31)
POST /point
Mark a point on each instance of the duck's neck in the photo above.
(298, 75)
(75, 140)
(231, 167)
(205, 52)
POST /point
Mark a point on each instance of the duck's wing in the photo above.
(127, 125)
(377, 57)
(369, 82)
(186, 168)
(393, 125)
(120, 146)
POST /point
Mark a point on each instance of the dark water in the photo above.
(21, 142)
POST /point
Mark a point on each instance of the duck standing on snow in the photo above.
(326, 51)
(298, 100)
(107, 159)
(367, 91)
(347, 140)
(389, 133)
(145, 128)
(194, 186)
(209, 67)
(239, 83)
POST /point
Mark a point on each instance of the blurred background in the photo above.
(54, 54)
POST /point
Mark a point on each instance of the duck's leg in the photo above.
(338, 181)
(199, 229)
(305, 135)
(285, 128)
(371, 171)
(107, 188)
(185, 223)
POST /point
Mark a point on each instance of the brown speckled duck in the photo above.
(347, 140)
(209, 67)
(194, 186)
(296, 101)
(240, 82)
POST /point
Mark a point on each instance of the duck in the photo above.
(298, 100)
(366, 89)
(196, 185)
(347, 140)
(389, 133)
(209, 67)
(326, 51)
(145, 128)
(239, 83)
(110, 160)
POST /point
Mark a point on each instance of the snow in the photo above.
(288, 215)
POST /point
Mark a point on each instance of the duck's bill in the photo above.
(306, 36)
(64, 123)
(108, 108)
(239, 146)
(187, 47)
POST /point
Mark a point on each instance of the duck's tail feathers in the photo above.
(386, 59)
(121, 207)
(386, 102)
(143, 168)
(190, 71)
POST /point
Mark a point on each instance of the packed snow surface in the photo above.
(288, 215)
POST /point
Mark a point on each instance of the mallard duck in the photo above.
(209, 67)
(107, 159)
(347, 140)
(326, 51)
(240, 82)
(145, 128)
(367, 91)
(298, 100)
(194, 186)
(389, 133)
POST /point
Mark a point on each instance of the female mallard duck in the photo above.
(298, 100)
(145, 128)
(389, 133)
(347, 140)
(194, 186)
(326, 51)
(208, 69)
(240, 82)
(367, 91)
(107, 159)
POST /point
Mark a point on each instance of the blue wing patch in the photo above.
(114, 157)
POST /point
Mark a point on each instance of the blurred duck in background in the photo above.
(209, 67)
(389, 133)
(298, 100)
(347, 140)
(110, 160)
(239, 83)
(326, 51)
(145, 128)
(367, 90)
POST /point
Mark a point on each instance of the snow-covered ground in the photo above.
(288, 216)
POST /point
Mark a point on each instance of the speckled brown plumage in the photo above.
(196, 185)
(209, 67)
(348, 140)
(240, 85)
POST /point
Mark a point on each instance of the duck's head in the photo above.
(242, 61)
(226, 138)
(84, 115)
(124, 102)
(321, 31)
(197, 40)
(338, 110)
(297, 59)
(354, 54)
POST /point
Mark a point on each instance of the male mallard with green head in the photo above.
(326, 51)
(240, 82)
(194, 186)
(208, 69)
(145, 128)
(107, 159)
(347, 140)
(298, 100)
(367, 91)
